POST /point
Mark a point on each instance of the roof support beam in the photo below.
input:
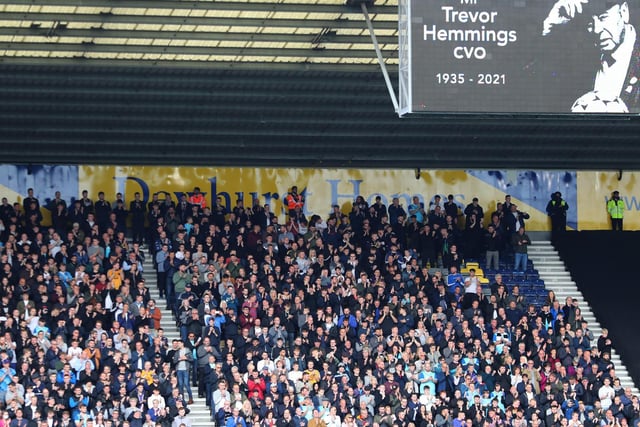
(338, 54)
(191, 20)
(325, 6)
(191, 35)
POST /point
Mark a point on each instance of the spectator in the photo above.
(493, 244)
(332, 321)
(236, 419)
(512, 219)
(220, 396)
(183, 358)
(182, 420)
(520, 241)
(416, 208)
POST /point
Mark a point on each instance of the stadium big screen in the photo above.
(519, 56)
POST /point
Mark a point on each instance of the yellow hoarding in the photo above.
(322, 187)
(585, 192)
(595, 189)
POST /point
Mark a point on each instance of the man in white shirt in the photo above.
(220, 396)
(616, 84)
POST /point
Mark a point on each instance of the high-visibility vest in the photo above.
(616, 208)
(198, 200)
(294, 201)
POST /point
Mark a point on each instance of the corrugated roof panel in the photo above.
(326, 29)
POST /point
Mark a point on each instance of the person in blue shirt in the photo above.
(65, 276)
(6, 373)
(346, 314)
(66, 371)
(76, 401)
(454, 278)
(417, 208)
(236, 420)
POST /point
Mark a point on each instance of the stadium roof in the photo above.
(269, 82)
(215, 33)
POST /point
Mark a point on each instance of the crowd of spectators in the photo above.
(343, 320)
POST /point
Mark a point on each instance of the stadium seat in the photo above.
(518, 276)
(538, 283)
(506, 274)
(533, 275)
(526, 288)
(468, 266)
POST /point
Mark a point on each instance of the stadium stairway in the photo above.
(199, 412)
(557, 279)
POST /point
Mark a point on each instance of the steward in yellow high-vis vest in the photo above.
(615, 208)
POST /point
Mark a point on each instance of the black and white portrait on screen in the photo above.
(608, 25)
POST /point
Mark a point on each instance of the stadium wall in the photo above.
(585, 192)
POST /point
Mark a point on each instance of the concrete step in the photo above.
(556, 273)
(547, 254)
(536, 260)
(199, 414)
(541, 264)
(552, 270)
